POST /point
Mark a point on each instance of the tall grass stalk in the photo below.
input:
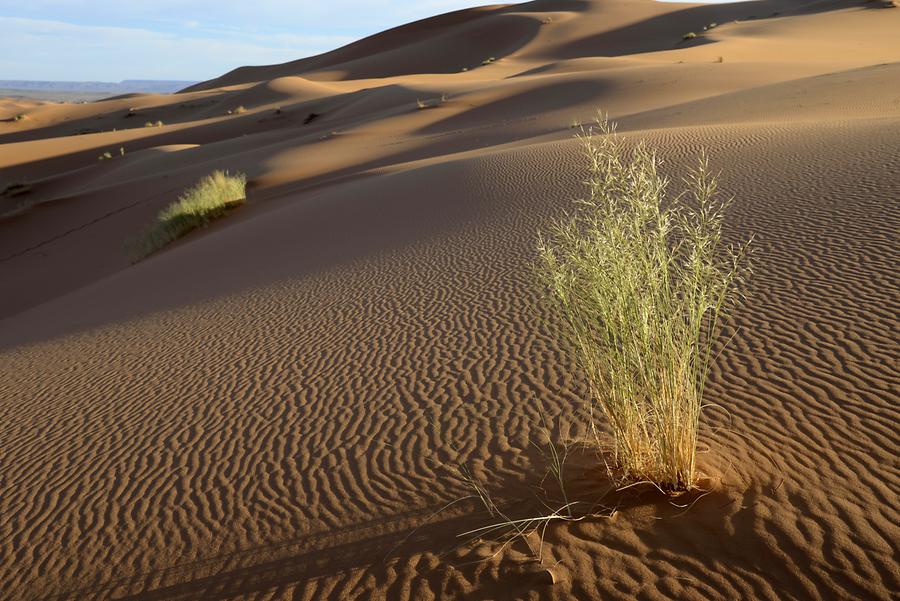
(643, 281)
(211, 198)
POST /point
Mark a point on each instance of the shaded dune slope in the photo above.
(271, 407)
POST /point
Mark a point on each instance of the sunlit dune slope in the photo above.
(271, 407)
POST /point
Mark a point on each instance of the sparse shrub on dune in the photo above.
(689, 36)
(431, 103)
(643, 281)
(16, 189)
(16, 207)
(211, 198)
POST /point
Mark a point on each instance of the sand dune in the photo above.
(268, 409)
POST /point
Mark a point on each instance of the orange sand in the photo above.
(267, 409)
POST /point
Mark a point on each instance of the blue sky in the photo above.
(111, 40)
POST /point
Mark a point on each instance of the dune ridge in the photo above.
(271, 407)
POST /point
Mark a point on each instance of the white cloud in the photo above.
(353, 17)
(55, 50)
(172, 39)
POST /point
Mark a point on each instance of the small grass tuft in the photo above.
(643, 291)
(16, 189)
(431, 103)
(19, 117)
(212, 197)
(688, 36)
(488, 61)
(237, 111)
(11, 191)
(105, 156)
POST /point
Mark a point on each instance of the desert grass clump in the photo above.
(431, 103)
(15, 189)
(212, 197)
(689, 36)
(18, 206)
(643, 281)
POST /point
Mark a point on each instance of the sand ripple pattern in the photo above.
(277, 442)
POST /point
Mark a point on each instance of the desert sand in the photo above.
(274, 406)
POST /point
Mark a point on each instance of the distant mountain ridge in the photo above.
(127, 86)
